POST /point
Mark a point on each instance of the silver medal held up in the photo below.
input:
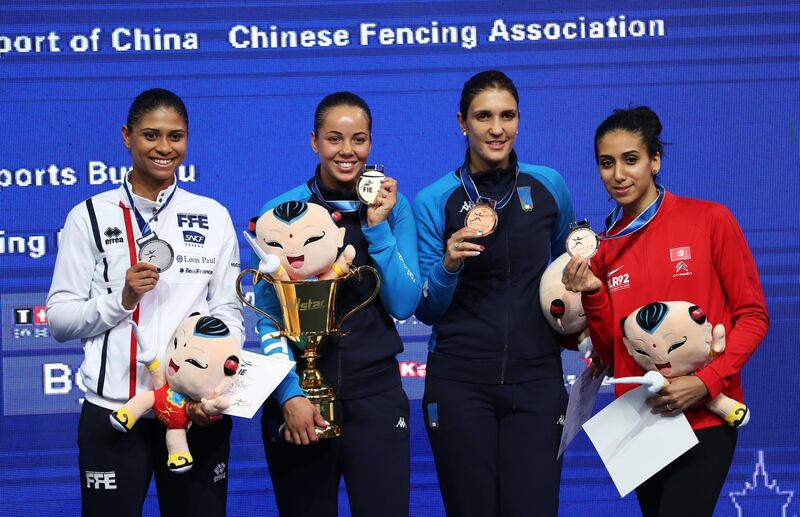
(369, 183)
(155, 251)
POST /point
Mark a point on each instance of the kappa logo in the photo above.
(219, 472)
(401, 423)
(466, 207)
(113, 235)
(617, 282)
(101, 480)
(560, 420)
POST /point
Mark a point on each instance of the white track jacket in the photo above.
(97, 247)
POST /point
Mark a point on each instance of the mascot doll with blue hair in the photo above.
(672, 339)
(299, 241)
(201, 360)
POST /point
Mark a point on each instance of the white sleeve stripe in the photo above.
(276, 346)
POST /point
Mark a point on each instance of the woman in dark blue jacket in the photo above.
(494, 392)
(373, 452)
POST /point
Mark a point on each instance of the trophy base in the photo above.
(324, 399)
(332, 431)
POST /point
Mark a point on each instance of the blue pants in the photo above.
(372, 455)
(495, 445)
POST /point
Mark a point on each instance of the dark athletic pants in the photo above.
(372, 454)
(690, 485)
(495, 446)
(116, 467)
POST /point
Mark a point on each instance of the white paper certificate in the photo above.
(580, 405)
(633, 443)
(258, 376)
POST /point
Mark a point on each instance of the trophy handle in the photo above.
(356, 272)
(257, 275)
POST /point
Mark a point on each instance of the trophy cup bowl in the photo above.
(308, 311)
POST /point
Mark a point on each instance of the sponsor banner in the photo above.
(25, 323)
(38, 385)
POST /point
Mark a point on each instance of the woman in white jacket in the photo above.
(153, 253)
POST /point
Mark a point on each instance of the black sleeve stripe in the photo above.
(103, 359)
(95, 228)
(105, 271)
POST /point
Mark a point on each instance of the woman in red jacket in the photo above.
(662, 247)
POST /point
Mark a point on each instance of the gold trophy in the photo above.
(308, 310)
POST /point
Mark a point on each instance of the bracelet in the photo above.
(153, 365)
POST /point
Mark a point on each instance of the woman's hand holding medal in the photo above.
(384, 202)
(459, 247)
(139, 279)
(578, 276)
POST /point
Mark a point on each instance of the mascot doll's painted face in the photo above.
(562, 308)
(305, 238)
(201, 360)
(203, 353)
(675, 339)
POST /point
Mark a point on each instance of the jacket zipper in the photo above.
(508, 304)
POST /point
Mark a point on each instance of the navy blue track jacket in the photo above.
(487, 324)
(363, 362)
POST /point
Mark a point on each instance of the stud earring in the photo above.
(654, 172)
(464, 132)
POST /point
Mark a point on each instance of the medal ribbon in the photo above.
(637, 224)
(475, 196)
(342, 205)
(144, 227)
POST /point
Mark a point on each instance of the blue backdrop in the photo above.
(724, 78)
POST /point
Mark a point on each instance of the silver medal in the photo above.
(156, 251)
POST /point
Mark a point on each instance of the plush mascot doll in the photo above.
(305, 239)
(675, 339)
(561, 307)
(201, 359)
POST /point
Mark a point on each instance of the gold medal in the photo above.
(369, 183)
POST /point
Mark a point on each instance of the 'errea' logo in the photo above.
(193, 220)
(193, 238)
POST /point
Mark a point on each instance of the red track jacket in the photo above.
(693, 250)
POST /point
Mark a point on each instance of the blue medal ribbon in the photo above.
(144, 227)
(475, 196)
(342, 205)
(638, 223)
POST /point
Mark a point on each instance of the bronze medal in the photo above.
(582, 241)
(481, 217)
